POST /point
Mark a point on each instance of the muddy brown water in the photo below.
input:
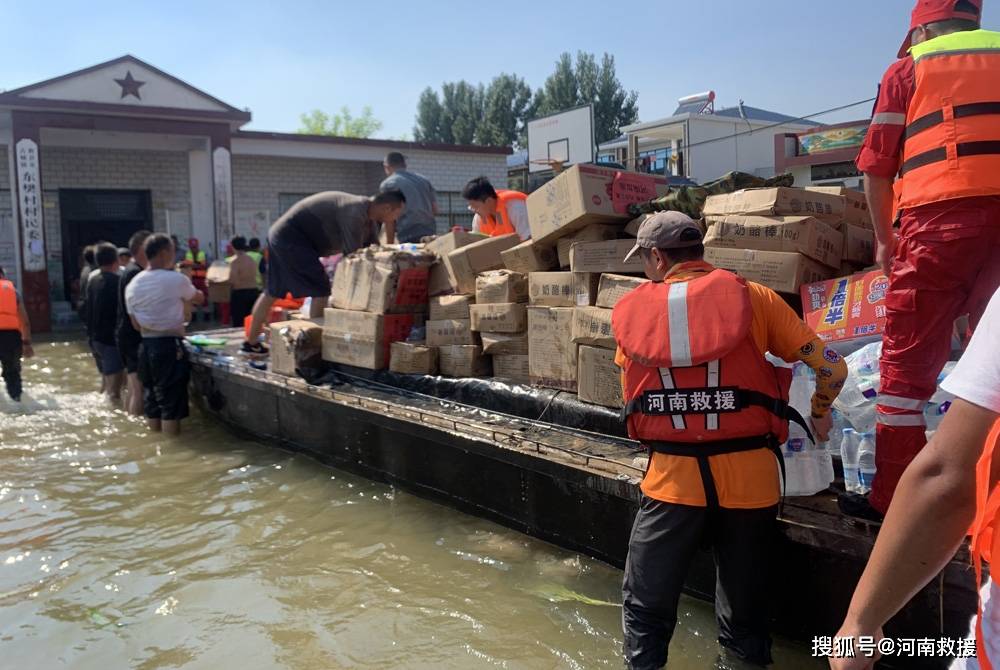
(123, 549)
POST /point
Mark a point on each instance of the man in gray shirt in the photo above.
(323, 224)
(421, 202)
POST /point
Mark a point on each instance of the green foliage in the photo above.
(340, 124)
(497, 114)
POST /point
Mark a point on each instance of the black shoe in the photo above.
(16, 398)
(857, 505)
(256, 348)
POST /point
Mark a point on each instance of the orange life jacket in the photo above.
(985, 541)
(695, 375)
(952, 141)
(10, 318)
(489, 225)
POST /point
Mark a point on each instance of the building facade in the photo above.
(102, 152)
(823, 156)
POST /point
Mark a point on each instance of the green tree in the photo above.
(340, 124)
(505, 103)
(429, 115)
(463, 111)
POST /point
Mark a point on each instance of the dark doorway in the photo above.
(92, 215)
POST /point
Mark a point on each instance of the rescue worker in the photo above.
(15, 336)
(712, 411)
(254, 252)
(943, 492)
(418, 221)
(496, 212)
(197, 261)
(937, 124)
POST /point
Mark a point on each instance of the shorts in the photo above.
(109, 361)
(128, 349)
(164, 370)
(95, 352)
(293, 267)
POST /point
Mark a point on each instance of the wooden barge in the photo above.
(551, 478)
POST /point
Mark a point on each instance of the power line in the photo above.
(780, 123)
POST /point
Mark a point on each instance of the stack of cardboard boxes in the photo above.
(786, 237)
(500, 310)
(378, 296)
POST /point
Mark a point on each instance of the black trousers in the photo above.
(241, 303)
(665, 538)
(10, 361)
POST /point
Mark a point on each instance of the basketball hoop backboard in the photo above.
(565, 138)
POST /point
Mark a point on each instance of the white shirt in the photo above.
(976, 379)
(156, 299)
(517, 211)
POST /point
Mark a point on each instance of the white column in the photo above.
(202, 205)
(222, 178)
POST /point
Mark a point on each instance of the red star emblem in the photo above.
(130, 86)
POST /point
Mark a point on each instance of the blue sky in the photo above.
(283, 58)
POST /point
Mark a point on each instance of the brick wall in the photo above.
(449, 171)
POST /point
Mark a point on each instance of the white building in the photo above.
(702, 143)
(102, 152)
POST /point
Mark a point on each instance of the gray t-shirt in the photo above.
(331, 221)
(417, 220)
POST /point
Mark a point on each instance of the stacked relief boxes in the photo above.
(500, 317)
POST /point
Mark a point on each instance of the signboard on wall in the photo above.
(29, 201)
(222, 179)
(832, 139)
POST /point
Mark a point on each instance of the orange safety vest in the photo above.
(696, 384)
(10, 318)
(985, 540)
(197, 272)
(488, 225)
(952, 138)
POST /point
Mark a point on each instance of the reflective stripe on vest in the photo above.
(952, 136)
(490, 226)
(680, 331)
(10, 318)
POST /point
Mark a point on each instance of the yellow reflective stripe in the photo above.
(966, 40)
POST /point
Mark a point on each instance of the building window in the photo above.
(834, 171)
(654, 161)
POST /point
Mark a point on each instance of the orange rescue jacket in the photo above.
(491, 225)
(985, 540)
(952, 138)
(10, 318)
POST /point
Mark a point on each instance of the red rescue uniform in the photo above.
(937, 124)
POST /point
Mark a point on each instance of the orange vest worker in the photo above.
(10, 318)
(500, 224)
(985, 543)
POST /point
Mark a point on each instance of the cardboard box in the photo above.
(383, 281)
(595, 232)
(600, 379)
(780, 270)
(450, 331)
(613, 288)
(777, 201)
(529, 256)
(463, 360)
(585, 194)
(592, 326)
(505, 344)
(218, 293)
(848, 307)
(563, 289)
(501, 286)
(413, 359)
(217, 280)
(450, 307)
(362, 339)
(607, 256)
(859, 245)
(468, 261)
(295, 344)
(499, 317)
(806, 235)
(551, 349)
(514, 367)
(442, 279)
(855, 204)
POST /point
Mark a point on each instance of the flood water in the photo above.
(122, 549)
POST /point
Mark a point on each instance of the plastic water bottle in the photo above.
(866, 462)
(849, 458)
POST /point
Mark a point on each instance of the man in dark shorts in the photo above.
(157, 301)
(323, 224)
(101, 305)
(127, 337)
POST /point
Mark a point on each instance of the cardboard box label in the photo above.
(551, 351)
(599, 377)
(504, 317)
(450, 331)
(505, 344)
(450, 307)
(848, 307)
(592, 326)
(606, 256)
(629, 188)
(779, 270)
(555, 289)
(613, 288)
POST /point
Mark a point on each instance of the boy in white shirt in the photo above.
(157, 300)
